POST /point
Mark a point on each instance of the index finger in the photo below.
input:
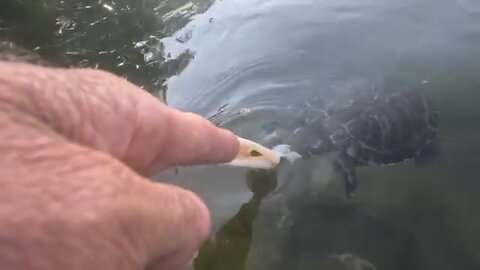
(198, 140)
(182, 139)
(105, 112)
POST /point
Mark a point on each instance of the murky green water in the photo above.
(269, 56)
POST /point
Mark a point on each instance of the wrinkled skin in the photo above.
(77, 146)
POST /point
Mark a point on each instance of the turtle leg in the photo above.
(347, 166)
(304, 151)
(428, 155)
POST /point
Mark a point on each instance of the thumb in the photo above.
(166, 224)
(172, 244)
(70, 204)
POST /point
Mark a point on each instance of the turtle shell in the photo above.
(383, 127)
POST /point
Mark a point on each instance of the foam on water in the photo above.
(286, 152)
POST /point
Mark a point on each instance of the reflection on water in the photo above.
(257, 65)
(121, 36)
(231, 244)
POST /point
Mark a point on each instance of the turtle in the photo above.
(372, 127)
(377, 125)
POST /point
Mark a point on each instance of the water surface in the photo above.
(268, 58)
(262, 62)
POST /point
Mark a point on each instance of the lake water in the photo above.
(261, 61)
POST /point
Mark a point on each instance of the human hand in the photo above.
(76, 148)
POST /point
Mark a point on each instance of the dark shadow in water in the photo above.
(14, 53)
(349, 236)
(359, 236)
(121, 36)
(230, 248)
